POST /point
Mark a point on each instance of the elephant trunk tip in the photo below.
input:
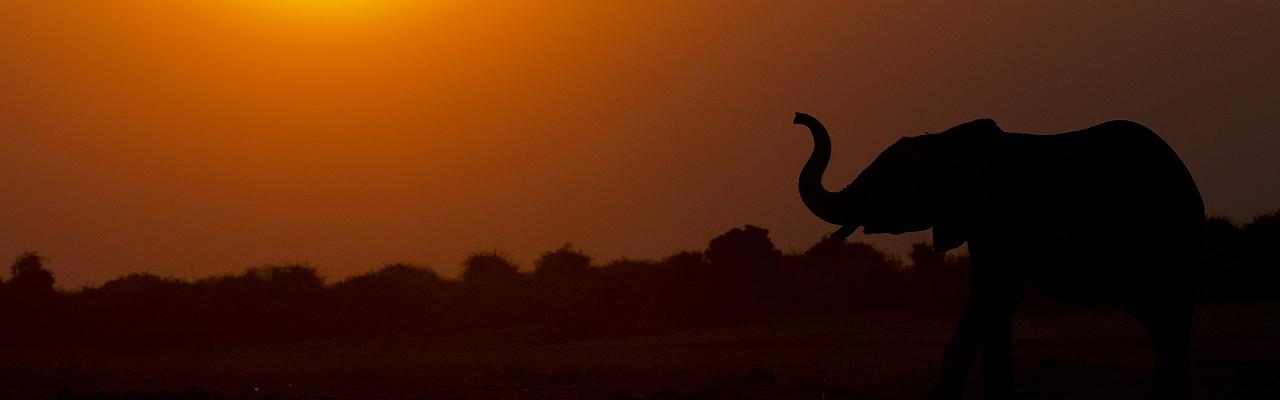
(801, 118)
(807, 120)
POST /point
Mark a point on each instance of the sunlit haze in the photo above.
(197, 138)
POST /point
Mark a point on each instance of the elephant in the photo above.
(1104, 215)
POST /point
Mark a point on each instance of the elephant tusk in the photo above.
(844, 231)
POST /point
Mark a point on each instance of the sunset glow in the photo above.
(192, 138)
(457, 199)
(325, 11)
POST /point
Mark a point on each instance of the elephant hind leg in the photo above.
(1169, 325)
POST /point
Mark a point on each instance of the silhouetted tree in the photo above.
(1240, 262)
(747, 269)
(29, 278)
(832, 252)
(395, 277)
(489, 267)
(740, 277)
(1263, 241)
(744, 250)
(140, 309)
(688, 270)
(493, 291)
(394, 299)
(1223, 267)
(687, 260)
(565, 262)
(288, 277)
(836, 275)
(1263, 234)
(266, 303)
(136, 282)
(565, 294)
(30, 310)
(139, 289)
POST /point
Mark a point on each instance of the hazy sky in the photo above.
(195, 138)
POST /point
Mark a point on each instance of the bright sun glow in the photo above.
(332, 11)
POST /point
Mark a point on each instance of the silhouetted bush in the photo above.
(300, 277)
(395, 278)
(397, 297)
(560, 283)
(744, 250)
(747, 268)
(925, 259)
(493, 291)
(29, 279)
(1240, 262)
(740, 277)
(562, 263)
(842, 276)
(489, 268)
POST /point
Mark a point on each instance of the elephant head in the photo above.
(919, 182)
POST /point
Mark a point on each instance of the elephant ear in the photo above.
(960, 179)
(954, 203)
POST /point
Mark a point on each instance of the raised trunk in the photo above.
(822, 203)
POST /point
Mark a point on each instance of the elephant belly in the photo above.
(1110, 267)
(1077, 275)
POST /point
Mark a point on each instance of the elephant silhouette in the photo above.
(1104, 215)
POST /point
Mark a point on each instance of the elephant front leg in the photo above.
(997, 342)
(987, 328)
(958, 357)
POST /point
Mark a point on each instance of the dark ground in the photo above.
(1089, 354)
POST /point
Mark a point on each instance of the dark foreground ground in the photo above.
(1096, 354)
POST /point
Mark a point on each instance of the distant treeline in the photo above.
(739, 277)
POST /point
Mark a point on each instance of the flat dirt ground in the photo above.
(1096, 354)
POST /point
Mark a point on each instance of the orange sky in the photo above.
(193, 138)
